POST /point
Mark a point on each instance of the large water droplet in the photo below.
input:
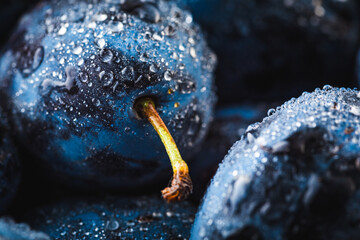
(271, 111)
(84, 77)
(167, 75)
(106, 77)
(100, 42)
(128, 73)
(77, 50)
(106, 55)
(169, 30)
(144, 57)
(153, 68)
(100, 17)
(116, 27)
(62, 30)
(112, 225)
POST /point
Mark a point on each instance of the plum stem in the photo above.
(181, 185)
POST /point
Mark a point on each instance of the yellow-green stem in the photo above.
(181, 185)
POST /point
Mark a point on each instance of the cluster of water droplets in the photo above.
(330, 115)
(80, 65)
(61, 57)
(116, 218)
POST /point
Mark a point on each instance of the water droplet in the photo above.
(106, 55)
(144, 57)
(128, 73)
(100, 17)
(112, 225)
(355, 110)
(62, 30)
(153, 68)
(100, 42)
(167, 75)
(96, 102)
(147, 36)
(77, 50)
(169, 30)
(158, 37)
(192, 52)
(116, 27)
(106, 77)
(84, 77)
(271, 111)
(327, 87)
(181, 47)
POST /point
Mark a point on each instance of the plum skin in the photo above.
(71, 87)
(112, 217)
(293, 176)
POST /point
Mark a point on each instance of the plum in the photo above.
(293, 176)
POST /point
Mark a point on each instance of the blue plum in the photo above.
(114, 217)
(265, 47)
(9, 230)
(293, 176)
(72, 73)
(229, 123)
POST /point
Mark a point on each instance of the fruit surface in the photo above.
(73, 72)
(229, 124)
(9, 230)
(113, 218)
(293, 176)
(275, 50)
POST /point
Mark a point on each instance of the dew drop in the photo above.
(192, 52)
(116, 27)
(62, 30)
(77, 50)
(144, 57)
(100, 17)
(100, 42)
(96, 102)
(106, 55)
(106, 77)
(128, 73)
(169, 30)
(181, 47)
(167, 75)
(153, 68)
(327, 87)
(271, 111)
(112, 225)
